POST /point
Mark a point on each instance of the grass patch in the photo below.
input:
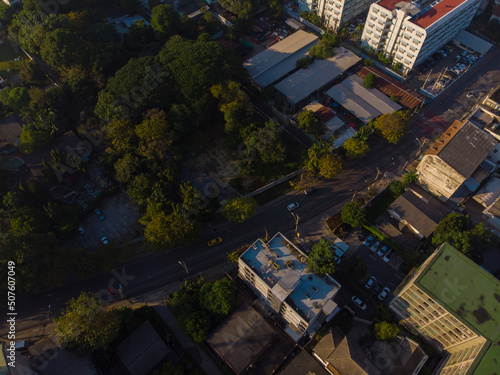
(273, 193)
(387, 197)
(382, 237)
(8, 66)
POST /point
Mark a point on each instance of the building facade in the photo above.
(409, 32)
(335, 12)
(443, 301)
(277, 271)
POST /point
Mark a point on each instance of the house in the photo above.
(452, 303)
(303, 364)
(10, 134)
(142, 350)
(365, 104)
(419, 211)
(489, 197)
(277, 270)
(456, 164)
(354, 354)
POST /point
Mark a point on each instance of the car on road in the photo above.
(81, 230)
(382, 251)
(375, 246)
(99, 214)
(292, 206)
(214, 241)
(372, 280)
(358, 303)
(104, 240)
(376, 288)
(369, 240)
(384, 293)
(388, 256)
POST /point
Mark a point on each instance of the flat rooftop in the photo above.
(279, 59)
(283, 267)
(471, 293)
(304, 82)
(435, 12)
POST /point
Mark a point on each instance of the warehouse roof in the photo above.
(473, 42)
(304, 82)
(278, 60)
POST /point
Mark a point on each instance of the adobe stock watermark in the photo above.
(50, 348)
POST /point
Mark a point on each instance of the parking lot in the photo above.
(120, 223)
(444, 67)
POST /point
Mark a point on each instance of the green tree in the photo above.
(33, 140)
(156, 135)
(196, 325)
(324, 48)
(6, 14)
(218, 298)
(62, 48)
(126, 168)
(397, 67)
(30, 73)
(193, 202)
(276, 9)
(304, 62)
(370, 81)
(165, 22)
(321, 259)
(239, 209)
(393, 126)
(18, 98)
(85, 325)
(314, 155)
(397, 187)
(266, 143)
(386, 331)
(310, 123)
(410, 178)
(140, 189)
(330, 165)
(353, 214)
(356, 148)
(165, 231)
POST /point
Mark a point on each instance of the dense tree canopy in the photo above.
(356, 148)
(218, 298)
(393, 126)
(239, 209)
(321, 258)
(165, 22)
(18, 98)
(386, 331)
(353, 214)
(266, 143)
(310, 123)
(330, 165)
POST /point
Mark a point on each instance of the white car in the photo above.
(384, 293)
(370, 282)
(388, 256)
(104, 240)
(375, 246)
(358, 303)
(292, 206)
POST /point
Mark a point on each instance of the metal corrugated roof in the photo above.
(304, 82)
(473, 42)
(353, 103)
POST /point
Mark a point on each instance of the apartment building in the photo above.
(409, 33)
(335, 12)
(277, 271)
(452, 302)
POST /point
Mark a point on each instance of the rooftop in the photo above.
(10, 131)
(389, 86)
(435, 12)
(463, 147)
(241, 338)
(304, 82)
(473, 42)
(283, 267)
(469, 292)
(304, 364)
(392, 4)
(278, 60)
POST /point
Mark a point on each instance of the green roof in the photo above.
(469, 292)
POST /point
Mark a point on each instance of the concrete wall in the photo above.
(438, 177)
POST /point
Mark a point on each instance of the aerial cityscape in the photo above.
(219, 187)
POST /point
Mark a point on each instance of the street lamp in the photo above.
(296, 217)
(183, 264)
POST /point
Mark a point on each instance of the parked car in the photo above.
(388, 256)
(376, 288)
(99, 214)
(292, 206)
(309, 191)
(375, 246)
(358, 303)
(104, 240)
(384, 293)
(214, 241)
(372, 280)
(369, 240)
(464, 53)
(382, 251)
(337, 259)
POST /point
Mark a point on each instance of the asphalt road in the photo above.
(153, 271)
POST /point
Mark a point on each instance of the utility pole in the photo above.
(296, 217)
(183, 264)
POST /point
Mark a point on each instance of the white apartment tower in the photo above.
(409, 35)
(335, 12)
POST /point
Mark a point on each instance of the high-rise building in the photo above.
(409, 34)
(277, 270)
(335, 12)
(454, 303)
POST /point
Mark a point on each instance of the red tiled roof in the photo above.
(389, 86)
(391, 4)
(324, 114)
(436, 12)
